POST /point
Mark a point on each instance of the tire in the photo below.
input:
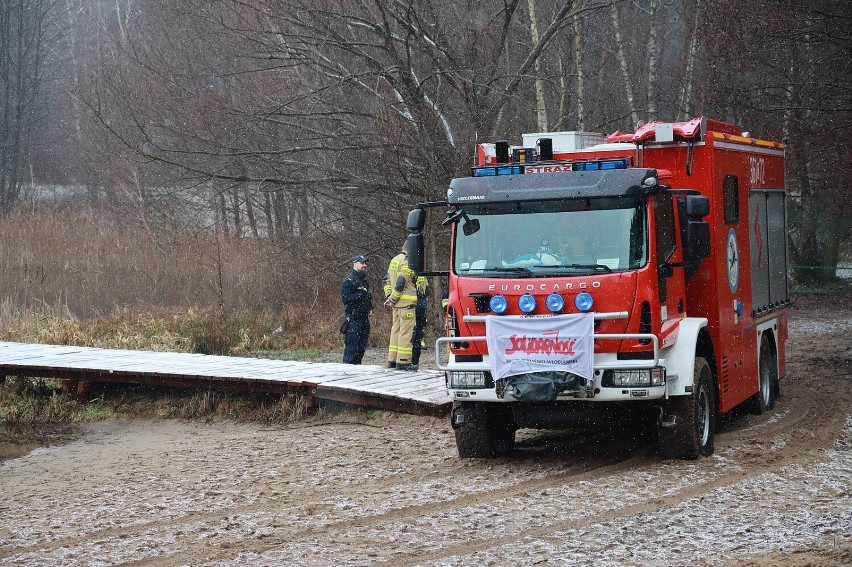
(487, 432)
(767, 381)
(693, 433)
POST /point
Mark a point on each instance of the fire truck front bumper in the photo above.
(612, 380)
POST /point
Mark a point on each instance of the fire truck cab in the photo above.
(642, 274)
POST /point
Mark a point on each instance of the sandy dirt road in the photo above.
(390, 490)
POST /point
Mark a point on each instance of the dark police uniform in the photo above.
(355, 295)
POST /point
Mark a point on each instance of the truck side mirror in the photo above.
(416, 220)
(697, 230)
(697, 241)
(697, 206)
(415, 251)
(470, 226)
(695, 233)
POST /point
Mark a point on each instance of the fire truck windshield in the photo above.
(547, 238)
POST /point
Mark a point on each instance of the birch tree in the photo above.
(540, 106)
(621, 55)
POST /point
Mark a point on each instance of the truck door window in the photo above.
(665, 232)
(731, 192)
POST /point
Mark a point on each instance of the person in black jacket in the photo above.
(355, 295)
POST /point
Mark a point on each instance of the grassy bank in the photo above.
(31, 402)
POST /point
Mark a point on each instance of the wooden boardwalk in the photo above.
(370, 386)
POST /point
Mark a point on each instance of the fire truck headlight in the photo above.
(498, 304)
(526, 303)
(555, 302)
(627, 378)
(466, 379)
(584, 301)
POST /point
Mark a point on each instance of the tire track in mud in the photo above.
(404, 514)
(587, 469)
(801, 451)
(775, 425)
(793, 423)
(788, 423)
(809, 418)
(782, 425)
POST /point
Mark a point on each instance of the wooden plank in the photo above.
(388, 404)
(367, 385)
(405, 391)
(374, 380)
(402, 391)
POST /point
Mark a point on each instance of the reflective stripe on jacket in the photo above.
(399, 283)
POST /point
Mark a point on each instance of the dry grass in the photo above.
(94, 281)
(28, 403)
(94, 264)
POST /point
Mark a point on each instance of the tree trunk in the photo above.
(625, 69)
(685, 103)
(223, 215)
(541, 109)
(581, 81)
(250, 211)
(238, 217)
(652, 61)
(268, 215)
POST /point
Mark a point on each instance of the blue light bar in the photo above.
(498, 170)
(526, 303)
(602, 164)
(555, 302)
(498, 304)
(584, 301)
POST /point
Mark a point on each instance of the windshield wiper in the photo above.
(510, 269)
(590, 267)
(593, 267)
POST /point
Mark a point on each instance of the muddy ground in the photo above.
(350, 489)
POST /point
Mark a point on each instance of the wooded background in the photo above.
(239, 153)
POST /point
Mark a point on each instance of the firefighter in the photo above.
(418, 341)
(355, 295)
(401, 295)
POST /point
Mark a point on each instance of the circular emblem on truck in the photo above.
(733, 261)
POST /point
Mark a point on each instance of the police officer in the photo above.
(401, 295)
(355, 295)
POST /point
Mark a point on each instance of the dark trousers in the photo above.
(419, 330)
(355, 340)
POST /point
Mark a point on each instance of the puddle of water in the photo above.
(19, 441)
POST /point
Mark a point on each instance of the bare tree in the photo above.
(540, 106)
(622, 55)
(329, 118)
(786, 76)
(344, 114)
(29, 37)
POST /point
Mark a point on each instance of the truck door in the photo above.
(669, 254)
(768, 242)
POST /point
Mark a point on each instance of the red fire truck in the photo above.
(591, 279)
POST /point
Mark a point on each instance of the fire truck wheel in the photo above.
(764, 400)
(487, 432)
(692, 434)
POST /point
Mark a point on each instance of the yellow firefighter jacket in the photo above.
(400, 284)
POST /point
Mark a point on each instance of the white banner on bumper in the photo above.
(535, 344)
